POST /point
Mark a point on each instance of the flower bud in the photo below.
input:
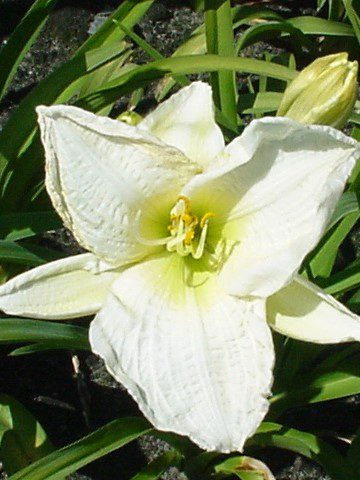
(323, 93)
(130, 117)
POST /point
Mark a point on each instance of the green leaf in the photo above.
(140, 42)
(353, 17)
(104, 72)
(27, 254)
(197, 4)
(296, 358)
(335, 9)
(348, 203)
(196, 44)
(323, 258)
(78, 454)
(262, 102)
(320, 26)
(355, 118)
(16, 226)
(267, 30)
(19, 43)
(307, 444)
(43, 347)
(144, 74)
(320, 386)
(21, 330)
(343, 281)
(220, 41)
(158, 466)
(22, 439)
(151, 51)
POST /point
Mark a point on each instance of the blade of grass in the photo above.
(262, 102)
(151, 51)
(144, 74)
(307, 444)
(143, 44)
(341, 282)
(19, 43)
(67, 460)
(334, 9)
(158, 466)
(322, 262)
(348, 203)
(104, 74)
(26, 254)
(22, 330)
(353, 17)
(220, 41)
(320, 26)
(267, 30)
(16, 226)
(22, 438)
(196, 44)
(44, 347)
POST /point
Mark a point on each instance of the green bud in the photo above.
(323, 93)
(129, 117)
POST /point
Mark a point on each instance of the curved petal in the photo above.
(273, 195)
(67, 288)
(198, 361)
(101, 172)
(187, 121)
(305, 312)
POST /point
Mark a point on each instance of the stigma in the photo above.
(187, 231)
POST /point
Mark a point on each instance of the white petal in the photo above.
(305, 312)
(101, 172)
(197, 360)
(66, 288)
(187, 121)
(274, 194)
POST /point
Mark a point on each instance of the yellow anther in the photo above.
(206, 217)
(189, 236)
(186, 218)
(186, 200)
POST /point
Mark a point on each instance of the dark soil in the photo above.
(69, 405)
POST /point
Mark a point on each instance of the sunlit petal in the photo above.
(187, 121)
(305, 312)
(273, 192)
(101, 172)
(197, 360)
(68, 288)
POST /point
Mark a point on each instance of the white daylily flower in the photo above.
(188, 239)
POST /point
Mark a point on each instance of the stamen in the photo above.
(188, 234)
(201, 245)
(186, 200)
(205, 218)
